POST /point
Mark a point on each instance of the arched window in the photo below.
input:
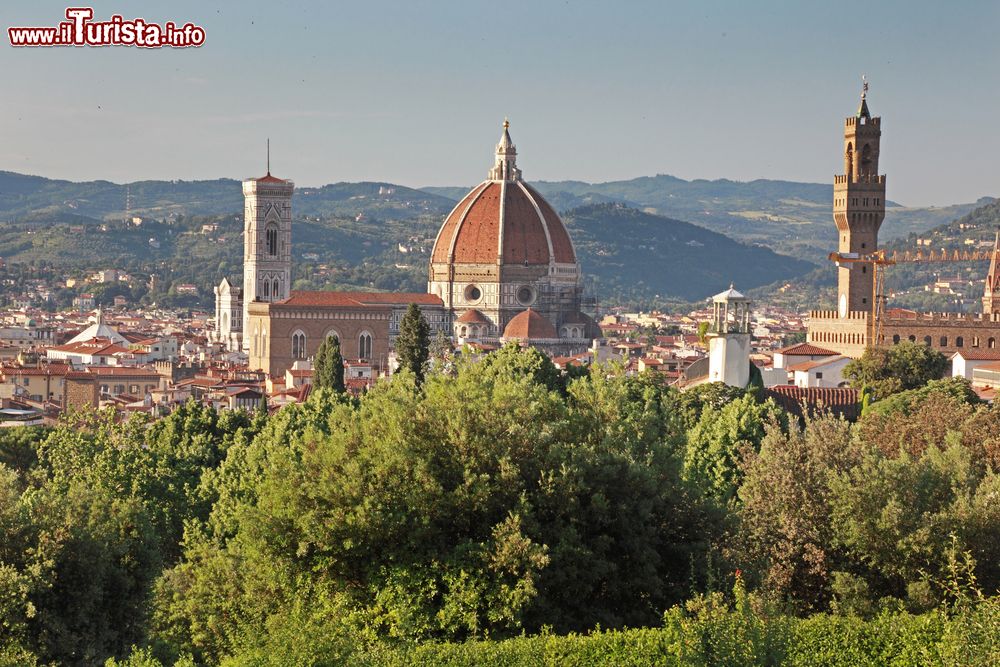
(991, 343)
(275, 291)
(365, 346)
(895, 339)
(271, 240)
(944, 341)
(975, 341)
(225, 322)
(265, 290)
(959, 341)
(298, 345)
(913, 339)
(332, 333)
(927, 341)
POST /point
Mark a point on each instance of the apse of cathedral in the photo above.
(503, 268)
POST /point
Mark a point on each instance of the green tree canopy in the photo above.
(897, 368)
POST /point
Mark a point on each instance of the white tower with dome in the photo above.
(729, 339)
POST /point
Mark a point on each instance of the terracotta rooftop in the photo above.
(529, 325)
(473, 316)
(978, 354)
(268, 178)
(121, 371)
(989, 368)
(816, 363)
(842, 401)
(805, 350)
(94, 346)
(359, 299)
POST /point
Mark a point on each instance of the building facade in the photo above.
(503, 256)
(267, 241)
(365, 323)
(858, 210)
(228, 315)
(503, 268)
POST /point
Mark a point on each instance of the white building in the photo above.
(729, 339)
(825, 372)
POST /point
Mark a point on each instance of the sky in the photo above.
(415, 92)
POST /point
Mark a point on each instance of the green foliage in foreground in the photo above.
(706, 631)
(490, 513)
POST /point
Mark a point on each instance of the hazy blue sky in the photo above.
(414, 92)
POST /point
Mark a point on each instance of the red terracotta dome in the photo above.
(473, 316)
(503, 219)
(529, 325)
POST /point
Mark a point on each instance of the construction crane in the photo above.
(879, 259)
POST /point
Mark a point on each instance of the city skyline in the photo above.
(594, 93)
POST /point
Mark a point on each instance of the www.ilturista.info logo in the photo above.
(79, 30)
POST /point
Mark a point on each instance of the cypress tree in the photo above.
(413, 343)
(328, 369)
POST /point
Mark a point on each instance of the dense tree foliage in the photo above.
(898, 368)
(506, 498)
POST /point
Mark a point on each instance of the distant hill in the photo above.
(791, 218)
(40, 200)
(377, 235)
(641, 256)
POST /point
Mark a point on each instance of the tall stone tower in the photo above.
(858, 206)
(267, 241)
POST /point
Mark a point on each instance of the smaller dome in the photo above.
(529, 325)
(729, 295)
(473, 316)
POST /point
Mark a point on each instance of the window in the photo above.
(298, 345)
(991, 343)
(133, 389)
(265, 290)
(271, 240)
(959, 342)
(365, 346)
(819, 376)
(473, 293)
(944, 341)
(927, 341)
